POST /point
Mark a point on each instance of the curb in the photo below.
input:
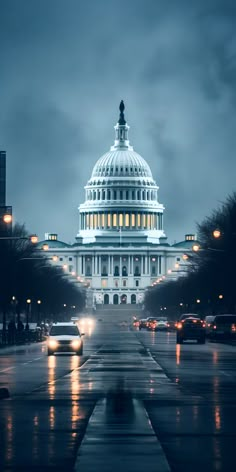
(4, 393)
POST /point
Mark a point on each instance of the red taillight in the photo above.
(179, 325)
(214, 327)
(233, 327)
(203, 325)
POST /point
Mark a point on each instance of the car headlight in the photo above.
(52, 343)
(75, 344)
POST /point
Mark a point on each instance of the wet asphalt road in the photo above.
(188, 392)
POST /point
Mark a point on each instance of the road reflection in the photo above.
(178, 352)
(52, 362)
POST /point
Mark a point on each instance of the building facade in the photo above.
(121, 247)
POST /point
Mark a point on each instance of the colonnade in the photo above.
(124, 220)
(116, 265)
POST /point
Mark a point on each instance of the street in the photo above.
(187, 391)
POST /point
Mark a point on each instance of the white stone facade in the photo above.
(121, 247)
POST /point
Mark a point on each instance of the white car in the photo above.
(65, 337)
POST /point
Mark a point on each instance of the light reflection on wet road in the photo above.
(193, 411)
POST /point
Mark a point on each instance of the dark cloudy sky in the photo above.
(64, 67)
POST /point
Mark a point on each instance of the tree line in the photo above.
(209, 286)
(25, 275)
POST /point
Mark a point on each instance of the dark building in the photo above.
(5, 211)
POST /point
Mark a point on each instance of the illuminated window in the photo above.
(114, 223)
(144, 221)
(108, 220)
(91, 221)
(104, 283)
(148, 221)
(103, 219)
(127, 219)
(133, 219)
(139, 220)
(120, 219)
(116, 282)
(95, 220)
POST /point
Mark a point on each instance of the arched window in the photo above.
(136, 271)
(133, 299)
(121, 195)
(124, 271)
(138, 196)
(115, 299)
(123, 299)
(94, 195)
(133, 195)
(144, 195)
(127, 195)
(114, 195)
(98, 194)
(108, 195)
(103, 194)
(116, 271)
(106, 299)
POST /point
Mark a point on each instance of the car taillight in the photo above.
(214, 326)
(233, 327)
(203, 325)
(179, 325)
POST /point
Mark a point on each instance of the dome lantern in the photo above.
(121, 131)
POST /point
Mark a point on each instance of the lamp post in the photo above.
(28, 311)
(38, 310)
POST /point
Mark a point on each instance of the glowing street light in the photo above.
(196, 247)
(7, 218)
(216, 233)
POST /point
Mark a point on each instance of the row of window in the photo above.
(116, 283)
(121, 195)
(121, 220)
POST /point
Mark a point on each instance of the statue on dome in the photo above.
(122, 117)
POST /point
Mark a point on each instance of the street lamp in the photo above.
(38, 304)
(28, 311)
(216, 233)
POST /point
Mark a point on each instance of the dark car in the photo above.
(223, 327)
(209, 321)
(143, 323)
(190, 328)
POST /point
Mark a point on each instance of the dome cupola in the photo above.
(121, 194)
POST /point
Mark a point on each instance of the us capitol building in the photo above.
(121, 247)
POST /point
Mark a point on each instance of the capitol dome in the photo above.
(121, 193)
(121, 163)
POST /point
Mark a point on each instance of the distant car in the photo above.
(187, 315)
(143, 323)
(209, 319)
(136, 323)
(65, 337)
(223, 327)
(162, 324)
(190, 328)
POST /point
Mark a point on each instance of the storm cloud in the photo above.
(65, 66)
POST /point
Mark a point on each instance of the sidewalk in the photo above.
(120, 440)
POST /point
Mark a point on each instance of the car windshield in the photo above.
(64, 330)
